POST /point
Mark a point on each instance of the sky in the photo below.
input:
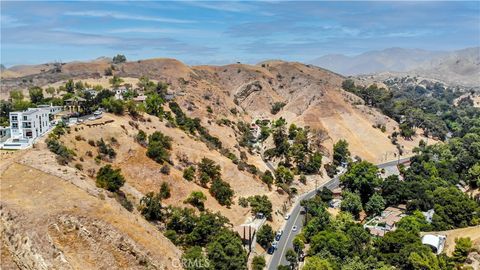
(224, 32)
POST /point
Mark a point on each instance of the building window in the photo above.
(15, 125)
(14, 118)
(24, 118)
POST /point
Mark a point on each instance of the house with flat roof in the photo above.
(26, 126)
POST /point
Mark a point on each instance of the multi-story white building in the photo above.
(28, 125)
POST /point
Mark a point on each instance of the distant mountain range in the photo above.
(462, 66)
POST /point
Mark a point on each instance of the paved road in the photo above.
(286, 242)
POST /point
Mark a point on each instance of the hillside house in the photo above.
(120, 91)
(386, 221)
(26, 126)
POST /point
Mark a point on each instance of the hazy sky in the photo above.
(221, 32)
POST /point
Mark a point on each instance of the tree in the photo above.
(164, 191)
(334, 242)
(267, 178)
(221, 191)
(325, 194)
(197, 199)
(208, 171)
(291, 257)
(189, 173)
(362, 177)
(351, 203)
(36, 94)
(50, 90)
(112, 105)
(151, 207)
(225, 252)
(141, 138)
(109, 178)
(284, 175)
(340, 152)
(414, 223)
(317, 263)
(453, 209)
(265, 236)
(79, 86)
(70, 86)
(396, 245)
(16, 95)
(153, 104)
(115, 81)
(195, 259)
(463, 246)
(258, 263)
(375, 205)
(159, 146)
(261, 204)
(320, 221)
(119, 58)
(298, 243)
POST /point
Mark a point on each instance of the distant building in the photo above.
(429, 215)
(120, 91)
(91, 92)
(435, 242)
(75, 104)
(140, 99)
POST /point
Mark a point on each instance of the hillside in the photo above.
(221, 97)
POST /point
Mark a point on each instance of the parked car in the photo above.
(275, 244)
(271, 250)
(287, 216)
(294, 228)
(278, 235)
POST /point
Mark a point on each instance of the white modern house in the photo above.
(120, 91)
(26, 126)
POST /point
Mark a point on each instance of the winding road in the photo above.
(296, 219)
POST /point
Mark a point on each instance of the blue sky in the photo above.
(224, 32)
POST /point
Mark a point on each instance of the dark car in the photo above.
(271, 250)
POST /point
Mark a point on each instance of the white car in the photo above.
(275, 244)
(91, 118)
(287, 217)
(294, 228)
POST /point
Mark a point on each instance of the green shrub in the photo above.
(159, 146)
(221, 191)
(109, 178)
(197, 199)
(189, 173)
(164, 191)
(276, 107)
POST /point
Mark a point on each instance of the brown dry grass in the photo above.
(41, 198)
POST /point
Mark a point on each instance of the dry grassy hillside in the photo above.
(312, 95)
(54, 217)
(85, 225)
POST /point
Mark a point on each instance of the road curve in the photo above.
(286, 242)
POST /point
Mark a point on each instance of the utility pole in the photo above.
(249, 239)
